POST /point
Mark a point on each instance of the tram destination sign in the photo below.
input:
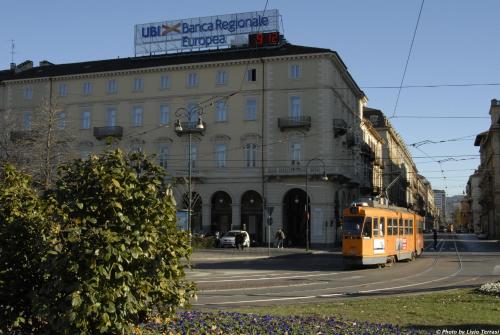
(210, 32)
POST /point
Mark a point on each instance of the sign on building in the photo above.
(210, 32)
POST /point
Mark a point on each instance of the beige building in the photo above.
(473, 195)
(271, 117)
(489, 171)
(399, 171)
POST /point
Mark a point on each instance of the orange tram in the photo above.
(379, 234)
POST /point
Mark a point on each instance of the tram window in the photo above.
(367, 227)
(394, 227)
(375, 227)
(420, 227)
(410, 227)
(352, 225)
(400, 226)
(382, 227)
(406, 229)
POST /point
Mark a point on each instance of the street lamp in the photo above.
(308, 215)
(189, 128)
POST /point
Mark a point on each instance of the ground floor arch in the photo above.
(221, 212)
(251, 215)
(294, 217)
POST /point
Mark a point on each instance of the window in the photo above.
(295, 71)
(63, 90)
(137, 116)
(250, 154)
(367, 227)
(194, 154)
(220, 155)
(295, 151)
(192, 80)
(252, 75)
(164, 114)
(111, 87)
(295, 107)
(163, 156)
(376, 228)
(85, 124)
(165, 82)
(27, 120)
(87, 88)
(61, 120)
(382, 227)
(138, 85)
(28, 93)
(401, 227)
(221, 111)
(111, 117)
(221, 78)
(251, 110)
(193, 109)
(410, 227)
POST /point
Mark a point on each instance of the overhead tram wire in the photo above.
(408, 58)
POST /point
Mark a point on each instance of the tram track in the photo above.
(315, 291)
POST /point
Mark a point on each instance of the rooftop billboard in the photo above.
(210, 32)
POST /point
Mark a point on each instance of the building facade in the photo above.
(489, 174)
(440, 202)
(275, 124)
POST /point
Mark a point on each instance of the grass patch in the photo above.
(455, 309)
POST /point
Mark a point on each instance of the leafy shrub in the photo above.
(118, 258)
(23, 244)
(203, 242)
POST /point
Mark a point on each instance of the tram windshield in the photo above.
(353, 225)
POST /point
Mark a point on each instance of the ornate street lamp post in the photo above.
(308, 215)
(189, 128)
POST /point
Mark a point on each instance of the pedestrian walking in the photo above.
(239, 240)
(280, 238)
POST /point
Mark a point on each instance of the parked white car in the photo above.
(229, 239)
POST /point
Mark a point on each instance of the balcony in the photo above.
(296, 122)
(335, 174)
(339, 127)
(111, 131)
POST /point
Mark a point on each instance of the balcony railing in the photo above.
(303, 122)
(110, 131)
(339, 127)
(22, 135)
(334, 174)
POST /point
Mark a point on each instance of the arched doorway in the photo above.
(294, 217)
(196, 208)
(221, 212)
(251, 215)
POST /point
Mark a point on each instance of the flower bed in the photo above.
(194, 322)
(490, 288)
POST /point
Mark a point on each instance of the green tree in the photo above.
(24, 232)
(119, 260)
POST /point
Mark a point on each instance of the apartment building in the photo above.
(440, 201)
(399, 171)
(489, 179)
(275, 124)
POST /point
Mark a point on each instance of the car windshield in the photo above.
(352, 225)
(231, 234)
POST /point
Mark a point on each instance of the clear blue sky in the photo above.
(457, 43)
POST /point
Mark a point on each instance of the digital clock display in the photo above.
(260, 40)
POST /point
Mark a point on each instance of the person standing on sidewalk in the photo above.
(280, 237)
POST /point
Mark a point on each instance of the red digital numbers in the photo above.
(260, 40)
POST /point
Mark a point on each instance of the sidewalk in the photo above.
(252, 253)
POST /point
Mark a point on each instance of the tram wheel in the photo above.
(390, 261)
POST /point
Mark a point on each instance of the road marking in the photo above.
(265, 278)
(269, 300)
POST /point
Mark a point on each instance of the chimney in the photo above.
(45, 63)
(495, 112)
(26, 65)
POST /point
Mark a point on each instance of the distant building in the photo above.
(473, 194)
(440, 202)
